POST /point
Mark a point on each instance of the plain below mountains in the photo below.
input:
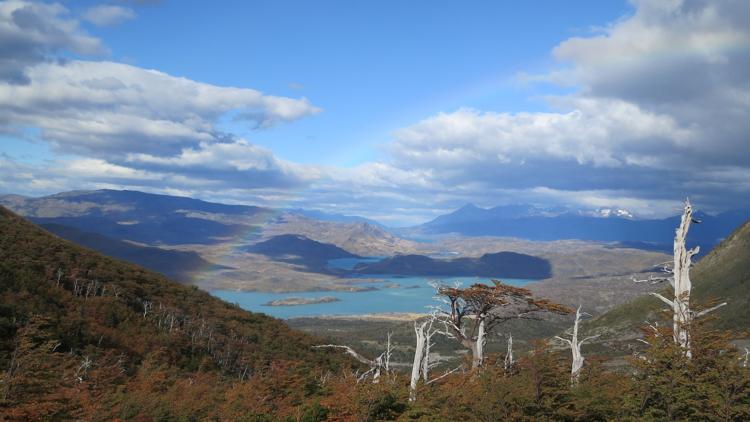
(500, 264)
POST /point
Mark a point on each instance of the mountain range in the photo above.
(528, 222)
(138, 216)
(170, 220)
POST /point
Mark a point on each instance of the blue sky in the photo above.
(372, 66)
(394, 110)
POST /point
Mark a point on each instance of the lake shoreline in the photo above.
(386, 316)
(388, 296)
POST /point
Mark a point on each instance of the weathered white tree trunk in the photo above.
(681, 283)
(388, 353)
(575, 348)
(375, 365)
(508, 364)
(426, 366)
(419, 358)
(682, 316)
(478, 358)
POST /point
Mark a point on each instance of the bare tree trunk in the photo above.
(419, 358)
(682, 284)
(376, 365)
(682, 316)
(426, 357)
(508, 364)
(388, 352)
(575, 348)
(478, 350)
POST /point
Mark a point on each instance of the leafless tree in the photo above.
(147, 305)
(377, 366)
(424, 331)
(575, 347)
(508, 363)
(83, 369)
(59, 276)
(679, 279)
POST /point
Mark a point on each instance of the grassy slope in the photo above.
(722, 275)
(189, 342)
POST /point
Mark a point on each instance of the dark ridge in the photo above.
(174, 264)
(501, 264)
(301, 250)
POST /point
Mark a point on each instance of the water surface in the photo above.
(413, 294)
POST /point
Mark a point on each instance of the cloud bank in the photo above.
(659, 112)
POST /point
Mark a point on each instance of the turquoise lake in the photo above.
(413, 294)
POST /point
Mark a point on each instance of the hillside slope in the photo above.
(172, 263)
(88, 337)
(298, 249)
(721, 275)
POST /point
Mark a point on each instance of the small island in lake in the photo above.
(296, 301)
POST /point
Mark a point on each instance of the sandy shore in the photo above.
(394, 316)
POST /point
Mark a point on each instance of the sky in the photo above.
(393, 110)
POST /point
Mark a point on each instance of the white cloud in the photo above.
(106, 15)
(31, 33)
(237, 164)
(105, 109)
(592, 132)
(660, 113)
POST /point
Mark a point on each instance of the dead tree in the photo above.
(377, 366)
(387, 354)
(83, 369)
(679, 279)
(147, 305)
(575, 347)
(508, 363)
(473, 312)
(416, 367)
(59, 276)
(424, 332)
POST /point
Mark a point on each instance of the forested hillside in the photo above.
(88, 337)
